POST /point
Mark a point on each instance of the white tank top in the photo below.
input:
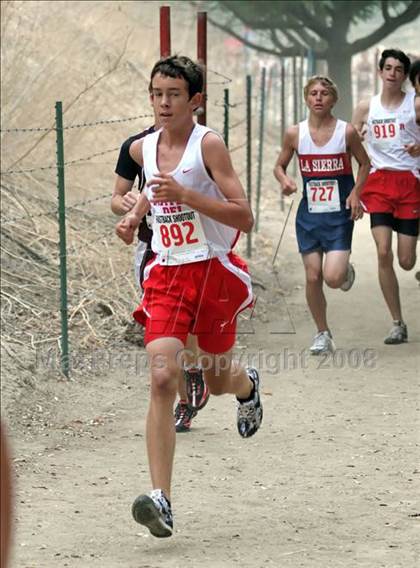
(388, 131)
(180, 234)
(335, 145)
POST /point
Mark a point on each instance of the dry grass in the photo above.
(98, 67)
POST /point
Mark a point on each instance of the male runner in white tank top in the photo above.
(330, 199)
(192, 390)
(389, 122)
(194, 283)
(415, 81)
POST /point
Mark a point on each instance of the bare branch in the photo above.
(307, 19)
(76, 98)
(385, 12)
(293, 39)
(242, 38)
(389, 26)
(276, 40)
(286, 51)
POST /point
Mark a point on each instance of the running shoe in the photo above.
(250, 412)
(349, 281)
(154, 512)
(397, 335)
(197, 390)
(322, 343)
(183, 416)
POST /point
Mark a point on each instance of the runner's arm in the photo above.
(360, 116)
(356, 148)
(414, 147)
(288, 148)
(123, 199)
(234, 211)
(141, 207)
(126, 228)
(136, 151)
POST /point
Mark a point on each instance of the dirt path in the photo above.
(329, 481)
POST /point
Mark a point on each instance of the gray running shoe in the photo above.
(397, 335)
(322, 343)
(183, 416)
(197, 391)
(154, 512)
(349, 281)
(250, 413)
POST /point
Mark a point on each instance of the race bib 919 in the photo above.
(384, 132)
(323, 196)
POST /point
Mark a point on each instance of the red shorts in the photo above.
(202, 298)
(396, 192)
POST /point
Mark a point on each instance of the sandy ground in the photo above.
(330, 480)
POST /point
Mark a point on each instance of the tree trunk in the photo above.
(339, 70)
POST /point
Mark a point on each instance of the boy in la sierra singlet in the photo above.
(330, 201)
(194, 283)
(390, 123)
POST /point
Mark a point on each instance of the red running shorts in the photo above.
(202, 298)
(389, 191)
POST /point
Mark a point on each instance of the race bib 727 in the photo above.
(323, 196)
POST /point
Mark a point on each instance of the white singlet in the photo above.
(388, 131)
(181, 234)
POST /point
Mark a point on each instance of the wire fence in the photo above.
(81, 125)
(33, 229)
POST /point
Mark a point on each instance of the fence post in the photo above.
(282, 112)
(300, 86)
(226, 117)
(268, 94)
(375, 71)
(260, 148)
(202, 60)
(248, 157)
(62, 238)
(165, 31)
(295, 103)
(311, 63)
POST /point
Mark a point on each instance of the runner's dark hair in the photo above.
(396, 54)
(180, 66)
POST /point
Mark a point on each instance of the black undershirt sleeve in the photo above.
(128, 169)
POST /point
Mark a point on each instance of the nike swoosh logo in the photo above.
(187, 170)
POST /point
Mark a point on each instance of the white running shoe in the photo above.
(397, 335)
(250, 412)
(348, 282)
(323, 343)
(154, 512)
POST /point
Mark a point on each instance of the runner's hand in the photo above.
(353, 203)
(126, 228)
(288, 186)
(166, 189)
(412, 149)
(363, 132)
(128, 201)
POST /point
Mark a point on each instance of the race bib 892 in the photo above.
(178, 235)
